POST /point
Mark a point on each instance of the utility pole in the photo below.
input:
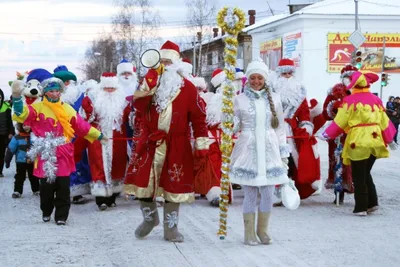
(355, 28)
(194, 56)
(356, 17)
(383, 64)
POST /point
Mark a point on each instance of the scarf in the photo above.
(62, 117)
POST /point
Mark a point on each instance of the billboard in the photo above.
(340, 49)
(292, 47)
(271, 52)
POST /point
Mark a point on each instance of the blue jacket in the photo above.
(18, 146)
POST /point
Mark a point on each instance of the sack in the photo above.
(290, 195)
(204, 175)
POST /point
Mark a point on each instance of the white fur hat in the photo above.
(218, 77)
(125, 66)
(108, 79)
(200, 82)
(259, 67)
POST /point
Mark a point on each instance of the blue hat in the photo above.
(239, 74)
(39, 74)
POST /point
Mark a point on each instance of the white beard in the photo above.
(290, 91)
(71, 94)
(129, 85)
(109, 107)
(170, 83)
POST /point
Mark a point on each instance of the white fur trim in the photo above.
(315, 111)
(214, 192)
(239, 75)
(285, 69)
(111, 82)
(308, 126)
(124, 67)
(80, 189)
(200, 82)
(186, 67)
(317, 185)
(99, 189)
(218, 79)
(292, 144)
(169, 54)
(315, 151)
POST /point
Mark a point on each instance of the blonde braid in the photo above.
(274, 119)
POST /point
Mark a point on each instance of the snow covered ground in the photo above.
(317, 234)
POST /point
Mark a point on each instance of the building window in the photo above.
(240, 52)
(209, 59)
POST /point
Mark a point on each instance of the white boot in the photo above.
(250, 237)
(262, 227)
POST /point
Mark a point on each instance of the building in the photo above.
(316, 37)
(213, 51)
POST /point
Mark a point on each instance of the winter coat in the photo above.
(18, 146)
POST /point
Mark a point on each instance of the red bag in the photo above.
(204, 175)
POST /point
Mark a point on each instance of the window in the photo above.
(209, 59)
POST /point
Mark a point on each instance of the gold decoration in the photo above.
(232, 21)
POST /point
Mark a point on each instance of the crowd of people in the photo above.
(160, 137)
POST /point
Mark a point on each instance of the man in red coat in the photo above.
(304, 162)
(162, 160)
(108, 110)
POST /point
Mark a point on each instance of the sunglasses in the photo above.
(286, 73)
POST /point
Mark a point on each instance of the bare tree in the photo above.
(101, 56)
(200, 18)
(135, 28)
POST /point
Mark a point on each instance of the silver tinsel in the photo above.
(46, 148)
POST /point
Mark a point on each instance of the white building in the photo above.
(303, 36)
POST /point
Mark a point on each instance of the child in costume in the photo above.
(18, 146)
(53, 124)
(362, 116)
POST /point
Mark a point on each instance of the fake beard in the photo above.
(71, 94)
(290, 90)
(129, 84)
(109, 107)
(170, 83)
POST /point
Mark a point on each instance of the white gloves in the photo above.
(16, 88)
(393, 146)
(323, 136)
(104, 140)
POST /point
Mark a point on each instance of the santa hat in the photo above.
(239, 74)
(187, 66)
(170, 50)
(200, 82)
(362, 80)
(125, 66)
(285, 65)
(108, 79)
(218, 76)
(259, 67)
(347, 71)
(64, 74)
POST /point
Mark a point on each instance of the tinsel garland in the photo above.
(46, 148)
(338, 167)
(232, 21)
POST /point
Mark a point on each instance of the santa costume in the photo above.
(304, 161)
(109, 112)
(331, 104)
(162, 160)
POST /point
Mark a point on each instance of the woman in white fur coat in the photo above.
(259, 158)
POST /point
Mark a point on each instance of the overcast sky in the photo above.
(47, 33)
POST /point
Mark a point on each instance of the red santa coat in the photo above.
(305, 170)
(161, 161)
(107, 163)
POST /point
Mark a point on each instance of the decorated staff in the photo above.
(232, 21)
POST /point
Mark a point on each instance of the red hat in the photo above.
(218, 76)
(285, 65)
(170, 50)
(347, 71)
(108, 79)
(185, 59)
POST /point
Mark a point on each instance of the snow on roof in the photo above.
(339, 7)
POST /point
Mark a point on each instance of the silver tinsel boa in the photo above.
(46, 148)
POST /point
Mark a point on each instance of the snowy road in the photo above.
(317, 234)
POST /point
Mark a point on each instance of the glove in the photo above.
(285, 162)
(200, 153)
(16, 88)
(393, 146)
(104, 140)
(323, 136)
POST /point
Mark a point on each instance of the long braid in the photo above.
(274, 119)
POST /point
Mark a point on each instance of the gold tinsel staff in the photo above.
(232, 21)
